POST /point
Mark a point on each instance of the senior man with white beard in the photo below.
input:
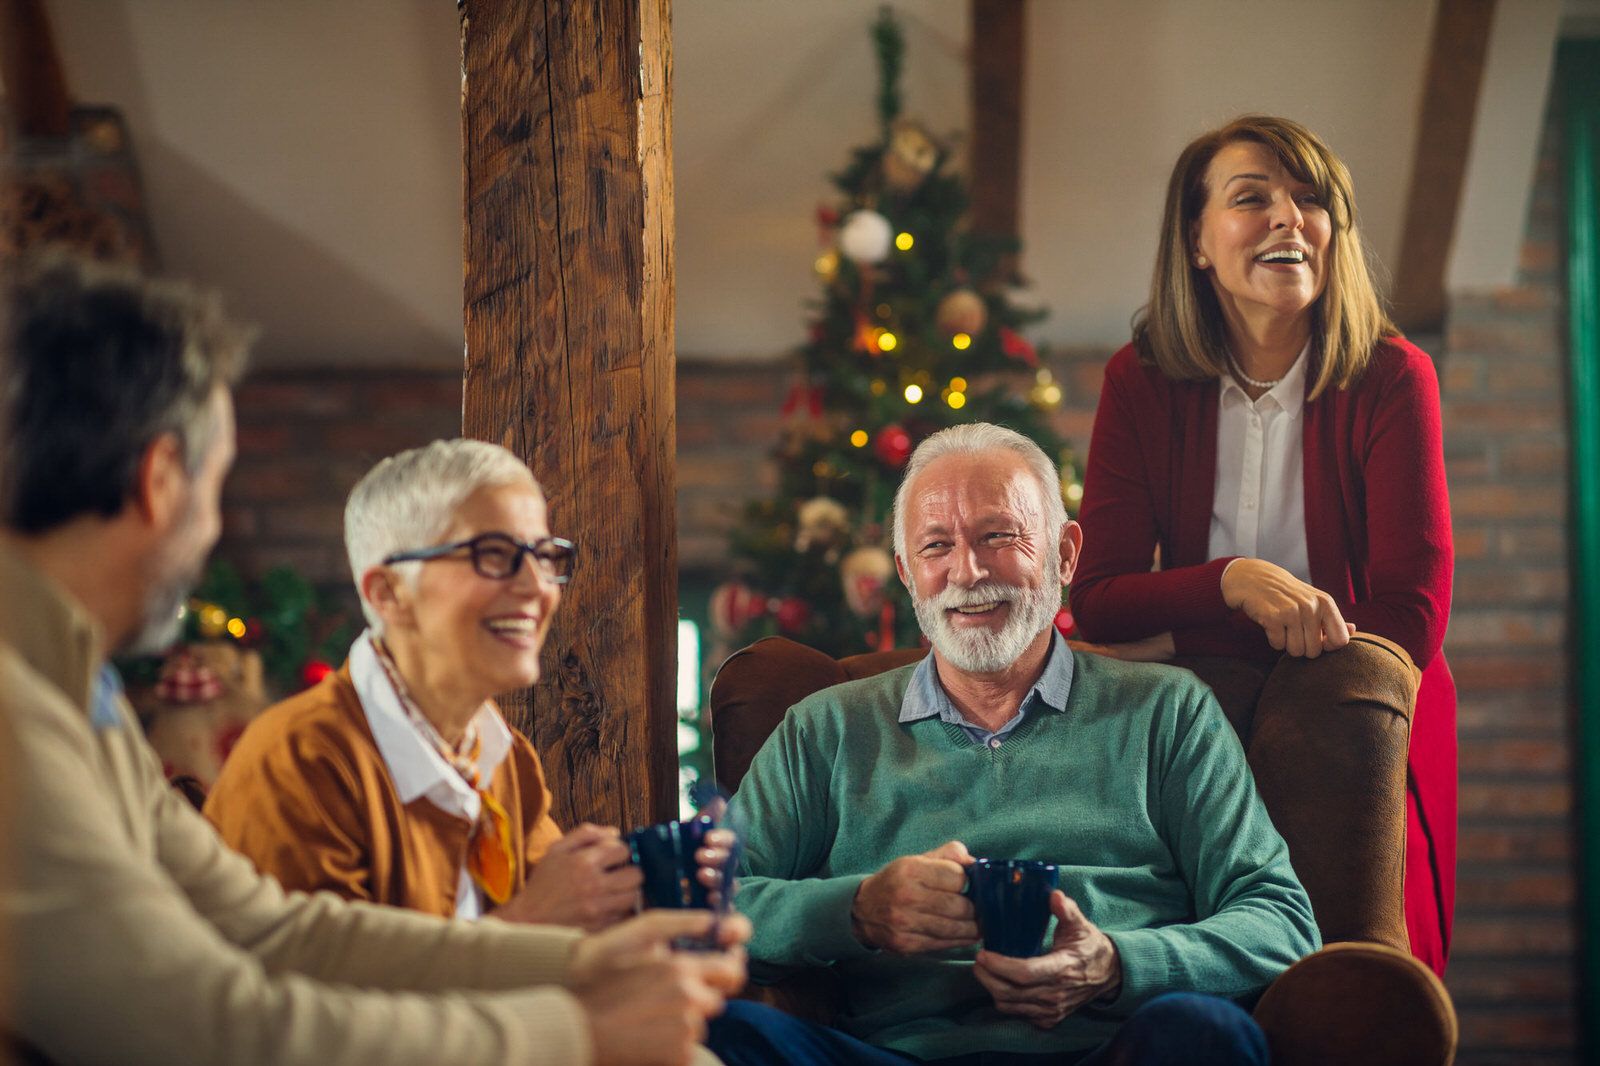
(863, 809)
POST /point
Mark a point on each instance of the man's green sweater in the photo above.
(1138, 789)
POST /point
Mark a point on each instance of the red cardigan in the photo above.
(1377, 535)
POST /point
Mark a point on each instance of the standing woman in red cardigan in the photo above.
(1273, 435)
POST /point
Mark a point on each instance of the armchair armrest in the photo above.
(1328, 747)
(1365, 1003)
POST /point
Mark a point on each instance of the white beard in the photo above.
(979, 650)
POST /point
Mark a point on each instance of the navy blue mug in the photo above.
(1012, 900)
(664, 853)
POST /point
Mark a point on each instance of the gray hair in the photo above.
(975, 438)
(408, 500)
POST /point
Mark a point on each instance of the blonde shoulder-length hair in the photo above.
(1181, 329)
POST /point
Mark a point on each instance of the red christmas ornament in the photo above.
(1017, 347)
(1066, 625)
(893, 446)
(735, 605)
(792, 614)
(314, 671)
(254, 633)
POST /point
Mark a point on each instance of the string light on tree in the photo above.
(913, 393)
(886, 341)
(961, 342)
(1045, 394)
(904, 241)
(955, 394)
(859, 438)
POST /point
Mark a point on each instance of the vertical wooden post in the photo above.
(998, 31)
(566, 135)
(1448, 112)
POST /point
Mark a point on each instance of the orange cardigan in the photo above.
(307, 797)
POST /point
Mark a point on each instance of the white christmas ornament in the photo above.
(865, 237)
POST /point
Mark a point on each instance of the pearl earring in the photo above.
(1201, 261)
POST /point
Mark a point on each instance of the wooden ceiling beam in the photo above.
(30, 66)
(998, 30)
(1445, 122)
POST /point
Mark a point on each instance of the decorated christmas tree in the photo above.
(918, 327)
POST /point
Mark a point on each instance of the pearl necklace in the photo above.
(1248, 380)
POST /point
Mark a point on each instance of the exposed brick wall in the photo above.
(305, 438)
(1513, 971)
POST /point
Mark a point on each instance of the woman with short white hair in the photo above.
(395, 779)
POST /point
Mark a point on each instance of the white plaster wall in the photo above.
(1505, 145)
(300, 155)
(304, 156)
(1116, 90)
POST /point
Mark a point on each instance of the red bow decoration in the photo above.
(1017, 347)
(803, 400)
(185, 679)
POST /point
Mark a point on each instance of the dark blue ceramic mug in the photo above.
(1012, 900)
(664, 853)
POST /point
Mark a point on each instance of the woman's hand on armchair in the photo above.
(1297, 618)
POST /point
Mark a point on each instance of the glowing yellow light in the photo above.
(859, 438)
(236, 628)
(887, 341)
(1052, 394)
(956, 400)
(1074, 492)
(1042, 377)
(961, 342)
(879, 387)
(827, 263)
(958, 384)
(913, 394)
(904, 241)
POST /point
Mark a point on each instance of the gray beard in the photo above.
(979, 651)
(163, 618)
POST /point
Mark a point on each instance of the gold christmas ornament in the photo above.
(962, 311)
(911, 156)
(823, 521)
(865, 575)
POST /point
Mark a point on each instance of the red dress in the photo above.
(1377, 517)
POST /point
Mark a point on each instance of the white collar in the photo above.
(414, 764)
(1289, 394)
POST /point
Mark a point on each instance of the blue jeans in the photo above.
(1177, 1029)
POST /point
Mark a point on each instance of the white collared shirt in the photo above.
(1259, 510)
(415, 765)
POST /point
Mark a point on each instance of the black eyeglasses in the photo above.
(499, 555)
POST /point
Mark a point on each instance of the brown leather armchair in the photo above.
(1326, 739)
